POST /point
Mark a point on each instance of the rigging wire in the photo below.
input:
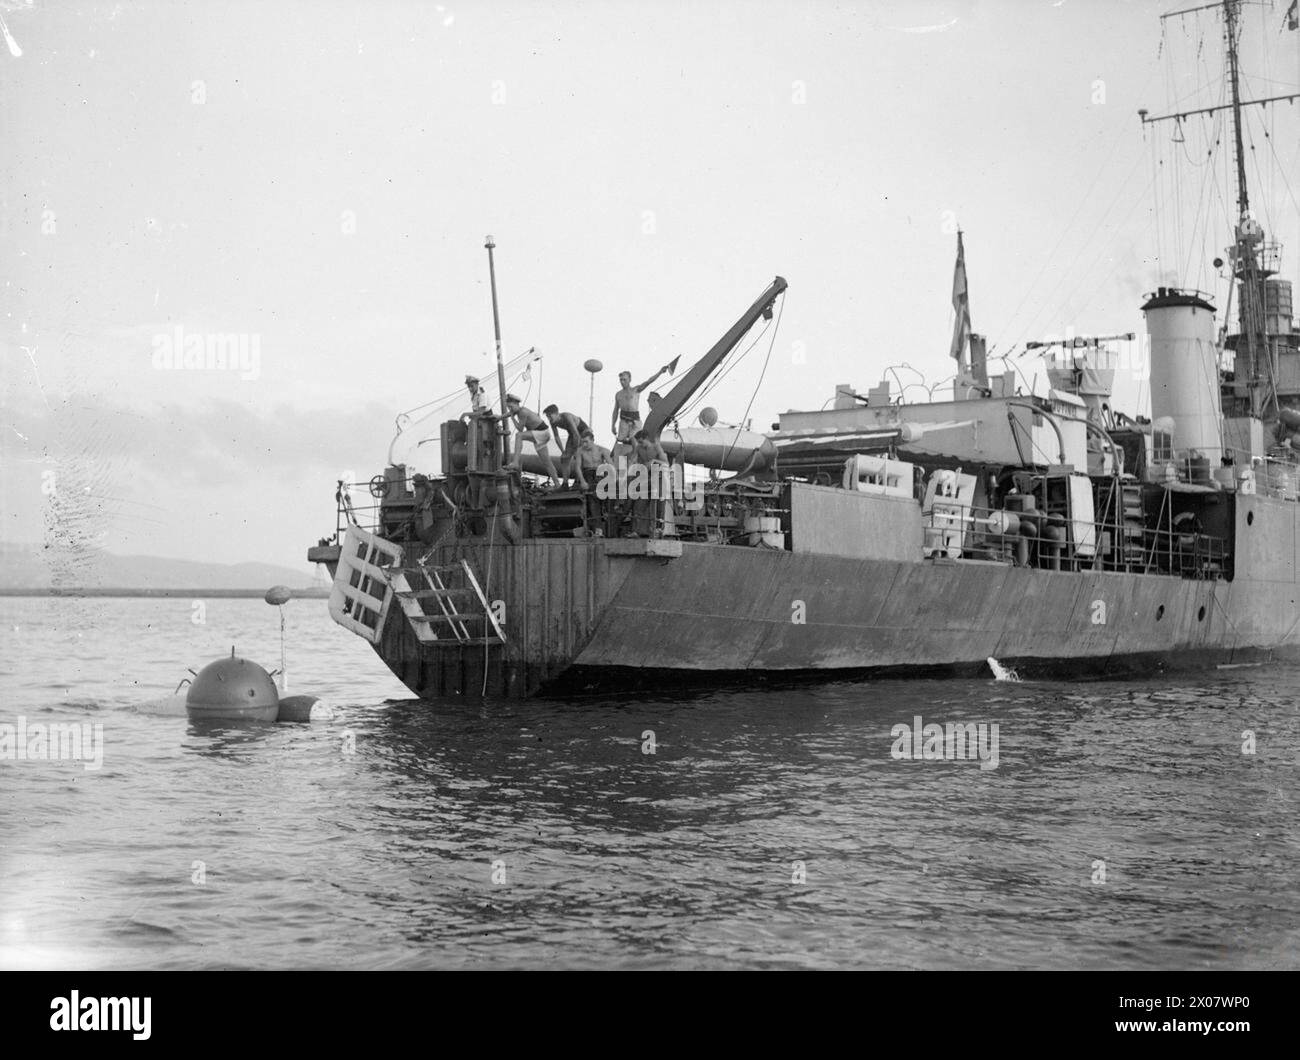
(1153, 69)
(1051, 256)
(1281, 171)
(492, 536)
(1208, 181)
(1264, 207)
(1169, 185)
(1155, 202)
(743, 419)
(1107, 277)
(1098, 227)
(441, 402)
(713, 383)
(404, 428)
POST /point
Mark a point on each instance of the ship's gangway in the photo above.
(446, 605)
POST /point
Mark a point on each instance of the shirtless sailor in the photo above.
(626, 420)
(533, 428)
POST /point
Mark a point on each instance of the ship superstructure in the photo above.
(876, 534)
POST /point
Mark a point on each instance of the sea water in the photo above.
(1148, 823)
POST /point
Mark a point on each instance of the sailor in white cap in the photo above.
(477, 397)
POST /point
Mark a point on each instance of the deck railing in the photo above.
(1270, 476)
(963, 532)
(348, 510)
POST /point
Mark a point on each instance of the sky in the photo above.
(316, 180)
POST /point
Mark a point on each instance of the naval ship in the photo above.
(1051, 533)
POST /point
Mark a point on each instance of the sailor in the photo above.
(584, 467)
(647, 451)
(477, 396)
(573, 426)
(531, 427)
(626, 420)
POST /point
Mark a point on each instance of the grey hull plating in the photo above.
(577, 609)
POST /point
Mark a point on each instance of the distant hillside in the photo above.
(34, 567)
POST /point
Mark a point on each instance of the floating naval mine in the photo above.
(233, 689)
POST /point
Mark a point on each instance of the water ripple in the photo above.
(1124, 825)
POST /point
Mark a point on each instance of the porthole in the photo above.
(1200, 615)
(1160, 612)
(1250, 518)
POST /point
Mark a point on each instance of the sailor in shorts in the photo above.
(574, 426)
(626, 420)
(531, 427)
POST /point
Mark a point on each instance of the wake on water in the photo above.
(1000, 672)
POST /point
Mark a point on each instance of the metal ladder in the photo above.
(432, 585)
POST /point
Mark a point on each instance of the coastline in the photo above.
(298, 594)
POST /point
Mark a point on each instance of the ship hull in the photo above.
(585, 613)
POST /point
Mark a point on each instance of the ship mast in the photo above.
(1231, 13)
(1248, 243)
(1247, 233)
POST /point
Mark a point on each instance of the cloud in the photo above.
(219, 442)
(218, 482)
(926, 29)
